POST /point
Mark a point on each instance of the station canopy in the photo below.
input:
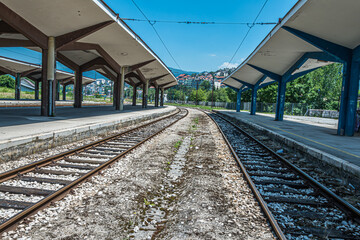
(85, 32)
(33, 71)
(332, 20)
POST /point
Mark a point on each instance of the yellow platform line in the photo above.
(322, 144)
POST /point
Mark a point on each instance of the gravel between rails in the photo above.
(208, 199)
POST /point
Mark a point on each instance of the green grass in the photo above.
(10, 93)
(195, 106)
(177, 144)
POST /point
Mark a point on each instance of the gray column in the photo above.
(48, 78)
(17, 86)
(134, 95)
(122, 86)
(156, 96)
(146, 93)
(162, 97)
(37, 83)
(57, 90)
(78, 88)
(64, 92)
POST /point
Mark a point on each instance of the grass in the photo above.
(9, 93)
(178, 144)
(195, 106)
(147, 203)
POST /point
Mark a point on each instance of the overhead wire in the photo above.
(247, 33)
(162, 41)
(198, 22)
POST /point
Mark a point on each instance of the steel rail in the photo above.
(340, 202)
(275, 226)
(43, 162)
(64, 190)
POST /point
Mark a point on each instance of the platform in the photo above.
(316, 135)
(23, 127)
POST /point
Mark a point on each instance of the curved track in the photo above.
(296, 205)
(28, 189)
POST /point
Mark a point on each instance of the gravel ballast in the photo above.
(182, 184)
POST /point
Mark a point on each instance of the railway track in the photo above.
(296, 205)
(26, 190)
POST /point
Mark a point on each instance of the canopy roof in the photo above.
(88, 33)
(33, 71)
(281, 52)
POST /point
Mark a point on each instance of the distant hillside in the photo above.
(177, 72)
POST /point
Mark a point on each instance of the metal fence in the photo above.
(297, 109)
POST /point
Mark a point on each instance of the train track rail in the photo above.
(27, 189)
(296, 205)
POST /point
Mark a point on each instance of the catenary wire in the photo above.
(199, 22)
(162, 41)
(247, 33)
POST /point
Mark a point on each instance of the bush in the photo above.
(7, 81)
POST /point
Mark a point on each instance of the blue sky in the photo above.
(194, 47)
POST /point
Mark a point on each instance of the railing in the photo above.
(295, 109)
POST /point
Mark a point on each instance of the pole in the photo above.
(51, 76)
(122, 86)
(18, 86)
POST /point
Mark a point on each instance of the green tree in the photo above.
(7, 81)
(201, 95)
(205, 85)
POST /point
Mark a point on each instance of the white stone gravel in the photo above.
(111, 205)
(20, 183)
(7, 213)
(57, 168)
(52, 176)
(80, 164)
(20, 197)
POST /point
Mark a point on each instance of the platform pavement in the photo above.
(23, 127)
(318, 135)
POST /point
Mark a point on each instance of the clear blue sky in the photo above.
(194, 47)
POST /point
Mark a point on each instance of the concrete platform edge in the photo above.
(334, 161)
(15, 148)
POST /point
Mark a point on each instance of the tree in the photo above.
(205, 85)
(232, 95)
(201, 95)
(7, 81)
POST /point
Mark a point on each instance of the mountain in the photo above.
(177, 72)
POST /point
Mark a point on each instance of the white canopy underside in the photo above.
(58, 17)
(20, 67)
(332, 20)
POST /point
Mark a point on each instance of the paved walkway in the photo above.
(18, 122)
(319, 133)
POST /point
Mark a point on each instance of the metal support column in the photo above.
(162, 97)
(122, 86)
(48, 78)
(145, 93)
(64, 92)
(17, 86)
(78, 88)
(134, 95)
(349, 96)
(37, 83)
(280, 103)
(253, 100)
(44, 83)
(116, 98)
(57, 90)
(156, 96)
(238, 101)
